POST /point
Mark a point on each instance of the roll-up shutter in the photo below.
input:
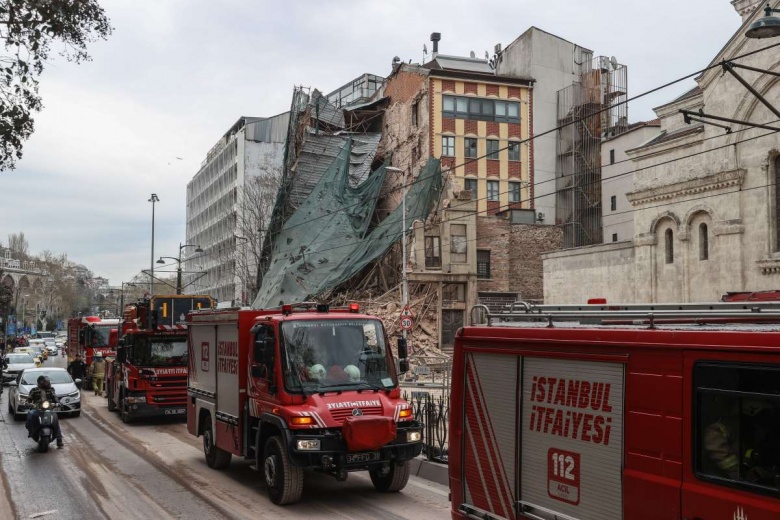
(490, 433)
(572, 439)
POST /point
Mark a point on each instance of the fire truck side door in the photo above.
(733, 468)
(263, 359)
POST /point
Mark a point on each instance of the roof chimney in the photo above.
(435, 38)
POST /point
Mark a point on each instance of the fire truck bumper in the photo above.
(333, 449)
(145, 411)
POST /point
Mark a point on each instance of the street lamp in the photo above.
(766, 27)
(154, 198)
(178, 263)
(404, 286)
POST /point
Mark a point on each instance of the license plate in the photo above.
(175, 411)
(362, 457)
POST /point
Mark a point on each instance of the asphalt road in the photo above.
(156, 470)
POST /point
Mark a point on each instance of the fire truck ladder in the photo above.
(649, 314)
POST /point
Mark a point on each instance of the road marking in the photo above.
(38, 515)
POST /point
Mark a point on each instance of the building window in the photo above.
(470, 147)
(415, 110)
(614, 237)
(483, 263)
(612, 156)
(453, 292)
(514, 151)
(432, 252)
(458, 243)
(669, 244)
(481, 109)
(492, 149)
(492, 190)
(448, 145)
(613, 202)
(471, 185)
(704, 246)
(514, 191)
(735, 415)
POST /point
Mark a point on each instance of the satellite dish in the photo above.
(425, 49)
(487, 56)
(472, 55)
(614, 62)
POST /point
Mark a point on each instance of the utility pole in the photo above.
(153, 199)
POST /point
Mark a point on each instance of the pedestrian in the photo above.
(98, 372)
(3, 366)
(78, 369)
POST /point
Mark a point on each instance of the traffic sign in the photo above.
(407, 312)
(407, 323)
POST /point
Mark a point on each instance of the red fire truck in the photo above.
(300, 387)
(148, 378)
(617, 413)
(90, 334)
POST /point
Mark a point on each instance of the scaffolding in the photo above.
(590, 110)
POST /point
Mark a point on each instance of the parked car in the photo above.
(64, 387)
(16, 364)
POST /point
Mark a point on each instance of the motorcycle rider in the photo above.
(42, 392)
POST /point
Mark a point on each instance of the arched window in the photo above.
(669, 243)
(704, 246)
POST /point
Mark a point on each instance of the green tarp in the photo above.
(328, 240)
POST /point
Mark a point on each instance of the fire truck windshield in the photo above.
(157, 352)
(327, 355)
(99, 335)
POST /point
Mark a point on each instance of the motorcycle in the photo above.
(43, 431)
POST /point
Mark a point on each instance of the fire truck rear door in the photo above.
(571, 455)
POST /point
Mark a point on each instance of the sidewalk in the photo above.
(434, 471)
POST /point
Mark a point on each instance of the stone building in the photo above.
(704, 200)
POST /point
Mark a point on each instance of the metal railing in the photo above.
(433, 412)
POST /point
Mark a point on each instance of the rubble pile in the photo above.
(423, 339)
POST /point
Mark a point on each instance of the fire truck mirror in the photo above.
(121, 352)
(402, 352)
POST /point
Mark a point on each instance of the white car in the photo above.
(64, 388)
(51, 346)
(17, 363)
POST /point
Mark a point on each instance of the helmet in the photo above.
(753, 407)
(44, 382)
(353, 373)
(316, 372)
(98, 354)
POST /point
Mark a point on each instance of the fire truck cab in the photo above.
(90, 334)
(299, 387)
(148, 378)
(620, 412)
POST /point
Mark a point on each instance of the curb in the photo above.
(433, 471)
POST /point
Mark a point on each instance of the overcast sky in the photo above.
(176, 74)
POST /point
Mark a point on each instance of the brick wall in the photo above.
(515, 255)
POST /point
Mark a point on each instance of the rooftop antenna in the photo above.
(425, 52)
(487, 56)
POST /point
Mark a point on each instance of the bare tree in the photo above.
(256, 204)
(18, 244)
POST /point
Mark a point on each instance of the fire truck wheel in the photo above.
(216, 458)
(111, 403)
(284, 481)
(124, 412)
(395, 480)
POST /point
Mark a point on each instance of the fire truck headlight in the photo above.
(136, 399)
(413, 436)
(307, 445)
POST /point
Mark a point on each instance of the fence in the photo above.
(433, 412)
